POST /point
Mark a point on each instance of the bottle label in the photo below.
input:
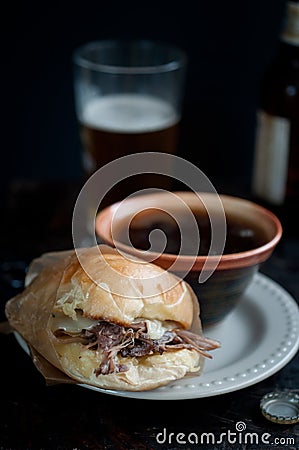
(290, 33)
(271, 158)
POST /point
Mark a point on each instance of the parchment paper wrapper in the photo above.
(29, 312)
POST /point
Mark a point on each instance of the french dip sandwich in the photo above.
(95, 323)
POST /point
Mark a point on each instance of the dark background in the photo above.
(229, 45)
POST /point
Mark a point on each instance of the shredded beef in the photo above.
(112, 339)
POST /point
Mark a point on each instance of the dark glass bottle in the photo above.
(276, 163)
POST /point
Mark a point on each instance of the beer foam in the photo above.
(129, 113)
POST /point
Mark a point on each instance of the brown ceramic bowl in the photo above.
(215, 242)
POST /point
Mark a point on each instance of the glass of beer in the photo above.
(128, 97)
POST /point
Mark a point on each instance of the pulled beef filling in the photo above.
(133, 341)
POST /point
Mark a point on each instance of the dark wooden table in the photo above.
(36, 218)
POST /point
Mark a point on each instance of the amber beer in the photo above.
(121, 124)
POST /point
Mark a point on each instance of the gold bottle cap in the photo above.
(281, 407)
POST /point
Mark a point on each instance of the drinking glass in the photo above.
(128, 98)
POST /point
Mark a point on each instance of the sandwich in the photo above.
(109, 321)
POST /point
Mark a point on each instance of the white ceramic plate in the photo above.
(257, 339)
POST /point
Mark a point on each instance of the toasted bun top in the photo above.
(106, 285)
